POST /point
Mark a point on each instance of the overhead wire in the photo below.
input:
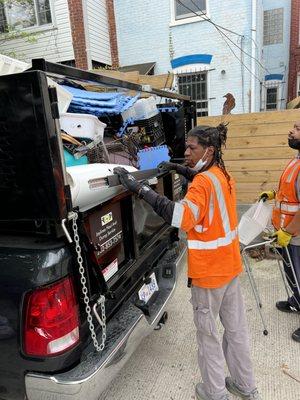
(218, 28)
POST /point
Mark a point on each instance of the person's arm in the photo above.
(184, 214)
(285, 235)
(294, 226)
(187, 172)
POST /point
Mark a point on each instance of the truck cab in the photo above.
(82, 283)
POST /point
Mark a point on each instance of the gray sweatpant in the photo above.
(227, 302)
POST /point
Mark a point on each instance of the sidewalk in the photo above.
(165, 366)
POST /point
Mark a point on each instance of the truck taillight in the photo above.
(51, 319)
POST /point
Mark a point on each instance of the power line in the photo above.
(219, 27)
(230, 48)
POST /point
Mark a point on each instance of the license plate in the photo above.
(147, 290)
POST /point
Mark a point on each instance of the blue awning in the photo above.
(274, 77)
(191, 59)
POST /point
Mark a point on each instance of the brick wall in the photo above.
(112, 33)
(144, 31)
(78, 33)
(294, 49)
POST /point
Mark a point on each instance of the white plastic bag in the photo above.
(254, 221)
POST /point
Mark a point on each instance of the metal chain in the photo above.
(100, 301)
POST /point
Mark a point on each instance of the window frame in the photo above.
(206, 100)
(269, 35)
(298, 85)
(36, 28)
(187, 20)
(277, 98)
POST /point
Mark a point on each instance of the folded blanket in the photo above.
(99, 104)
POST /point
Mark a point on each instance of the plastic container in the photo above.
(145, 108)
(88, 185)
(254, 221)
(71, 161)
(64, 97)
(84, 126)
(10, 65)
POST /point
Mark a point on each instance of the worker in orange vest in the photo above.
(208, 215)
(286, 220)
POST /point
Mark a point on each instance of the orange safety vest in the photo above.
(286, 200)
(212, 237)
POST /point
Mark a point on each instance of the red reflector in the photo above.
(51, 319)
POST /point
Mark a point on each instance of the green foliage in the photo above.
(12, 32)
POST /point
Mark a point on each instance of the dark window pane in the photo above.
(3, 22)
(20, 15)
(271, 102)
(189, 8)
(43, 11)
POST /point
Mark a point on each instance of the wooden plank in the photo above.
(256, 142)
(295, 103)
(256, 176)
(280, 128)
(255, 187)
(246, 198)
(252, 118)
(255, 165)
(157, 81)
(268, 153)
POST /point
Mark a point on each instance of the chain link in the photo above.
(100, 301)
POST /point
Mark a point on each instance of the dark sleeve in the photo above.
(161, 204)
(187, 172)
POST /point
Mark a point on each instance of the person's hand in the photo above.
(127, 180)
(283, 237)
(166, 166)
(267, 195)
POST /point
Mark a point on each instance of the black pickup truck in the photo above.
(79, 288)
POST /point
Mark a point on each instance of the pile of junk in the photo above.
(109, 122)
(107, 125)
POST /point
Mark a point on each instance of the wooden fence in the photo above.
(257, 149)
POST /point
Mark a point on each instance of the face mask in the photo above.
(201, 163)
(294, 144)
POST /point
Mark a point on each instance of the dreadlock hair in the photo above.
(215, 137)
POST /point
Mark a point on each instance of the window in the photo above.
(195, 86)
(273, 26)
(24, 14)
(188, 8)
(271, 100)
(298, 85)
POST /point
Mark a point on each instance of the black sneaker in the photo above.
(285, 306)
(296, 335)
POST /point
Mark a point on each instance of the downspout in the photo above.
(86, 34)
(253, 53)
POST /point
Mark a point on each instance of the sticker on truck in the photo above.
(110, 270)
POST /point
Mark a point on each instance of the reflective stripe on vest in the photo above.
(286, 202)
(213, 244)
(289, 178)
(230, 235)
(287, 207)
(177, 215)
(179, 212)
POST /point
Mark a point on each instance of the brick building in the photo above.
(294, 71)
(80, 33)
(249, 58)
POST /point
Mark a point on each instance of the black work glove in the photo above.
(187, 172)
(161, 204)
(127, 180)
(167, 166)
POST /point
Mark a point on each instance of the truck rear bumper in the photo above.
(91, 376)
